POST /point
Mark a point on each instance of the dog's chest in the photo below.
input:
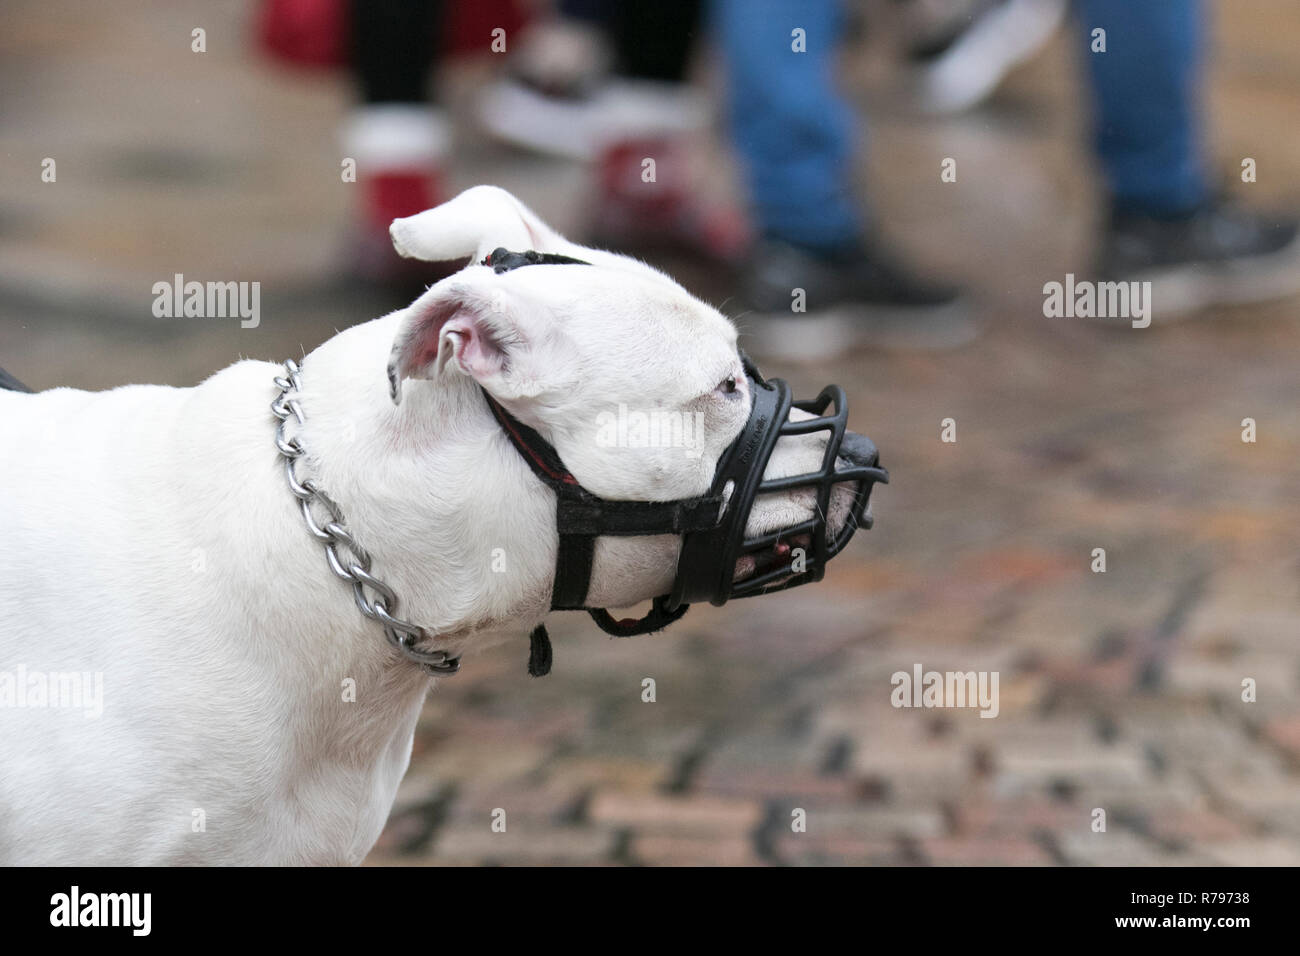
(336, 788)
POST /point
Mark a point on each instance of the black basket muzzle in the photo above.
(713, 526)
(792, 555)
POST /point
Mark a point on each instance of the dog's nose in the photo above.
(859, 450)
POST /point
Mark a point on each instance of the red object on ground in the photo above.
(396, 195)
(387, 196)
(305, 33)
(468, 26)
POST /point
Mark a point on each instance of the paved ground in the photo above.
(1120, 691)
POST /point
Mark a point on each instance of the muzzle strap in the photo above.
(582, 517)
(657, 619)
(572, 571)
(539, 652)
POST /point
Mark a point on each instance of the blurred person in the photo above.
(597, 72)
(795, 135)
(793, 132)
(1165, 224)
(606, 82)
(797, 140)
(397, 134)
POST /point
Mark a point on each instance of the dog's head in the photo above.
(638, 385)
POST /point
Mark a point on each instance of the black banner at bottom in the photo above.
(372, 904)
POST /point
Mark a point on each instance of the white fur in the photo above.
(148, 534)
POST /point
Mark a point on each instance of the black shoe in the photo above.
(797, 305)
(1218, 255)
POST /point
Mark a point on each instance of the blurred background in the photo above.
(1119, 690)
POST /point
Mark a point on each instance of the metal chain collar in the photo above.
(334, 534)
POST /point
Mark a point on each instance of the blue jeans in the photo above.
(1146, 91)
(796, 135)
(793, 132)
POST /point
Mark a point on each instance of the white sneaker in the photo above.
(580, 127)
(969, 68)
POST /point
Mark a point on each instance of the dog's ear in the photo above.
(473, 224)
(484, 333)
(485, 218)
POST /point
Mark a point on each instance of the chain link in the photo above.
(348, 560)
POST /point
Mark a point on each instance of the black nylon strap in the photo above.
(539, 652)
(656, 619)
(573, 572)
(581, 512)
(581, 517)
(542, 458)
(587, 514)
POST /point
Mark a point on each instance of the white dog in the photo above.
(153, 558)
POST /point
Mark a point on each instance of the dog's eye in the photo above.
(729, 385)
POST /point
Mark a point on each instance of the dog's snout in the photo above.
(859, 450)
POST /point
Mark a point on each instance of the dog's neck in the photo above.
(456, 523)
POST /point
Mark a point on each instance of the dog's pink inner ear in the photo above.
(446, 331)
(474, 348)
